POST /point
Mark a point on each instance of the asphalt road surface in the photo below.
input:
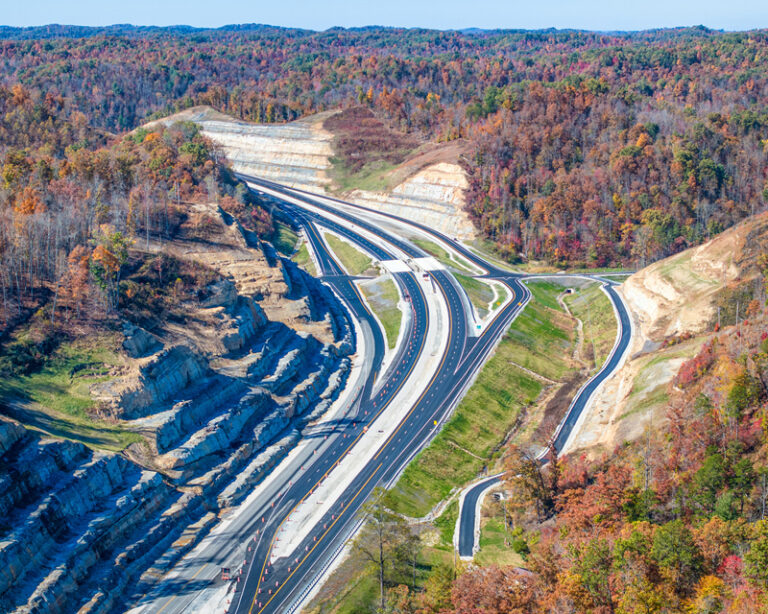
(261, 586)
(469, 507)
(280, 587)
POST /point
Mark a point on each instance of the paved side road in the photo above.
(471, 501)
(281, 583)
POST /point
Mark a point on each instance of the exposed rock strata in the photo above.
(430, 190)
(221, 398)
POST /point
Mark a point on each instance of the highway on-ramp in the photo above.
(280, 585)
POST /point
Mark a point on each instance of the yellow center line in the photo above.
(306, 556)
(341, 456)
(381, 449)
(197, 573)
(434, 376)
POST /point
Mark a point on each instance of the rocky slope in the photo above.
(219, 397)
(295, 154)
(429, 187)
(434, 196)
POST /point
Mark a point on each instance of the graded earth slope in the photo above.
(674, 303)
(677, 295)
(434, 197)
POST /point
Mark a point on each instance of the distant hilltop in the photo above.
(55, 30)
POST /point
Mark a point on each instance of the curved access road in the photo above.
(271, 583)
(468, 514)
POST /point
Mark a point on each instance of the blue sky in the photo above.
(444, 14)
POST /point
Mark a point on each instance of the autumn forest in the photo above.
(582, 150)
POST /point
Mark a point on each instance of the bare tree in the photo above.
(378, 542)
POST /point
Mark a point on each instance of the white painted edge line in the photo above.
(478, 507)
(475, 546)
(230, 515)
(343, 550)
(455, 255)
(373, 239)
(352, 387)
(304, 205)
(335, 559)
(406, 316)
(582, 416)
(306, 515)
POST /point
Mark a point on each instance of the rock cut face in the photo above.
(296, 154)
(434, 197)
(427, 187)
(217, 385)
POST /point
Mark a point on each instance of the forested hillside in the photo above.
(73, 199)
(585, 149)
(675, 522)
(581, 150)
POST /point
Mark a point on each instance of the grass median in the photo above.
(382, 297)
(352, 259)
(442, 255)
(304, 260)
(480, 293)
(538, 346)
(541, 338)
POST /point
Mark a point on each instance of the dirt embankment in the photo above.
(674, 306)
(677, 295)
(211, 238)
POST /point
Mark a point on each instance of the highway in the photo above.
(265, 583)
(280, 586)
